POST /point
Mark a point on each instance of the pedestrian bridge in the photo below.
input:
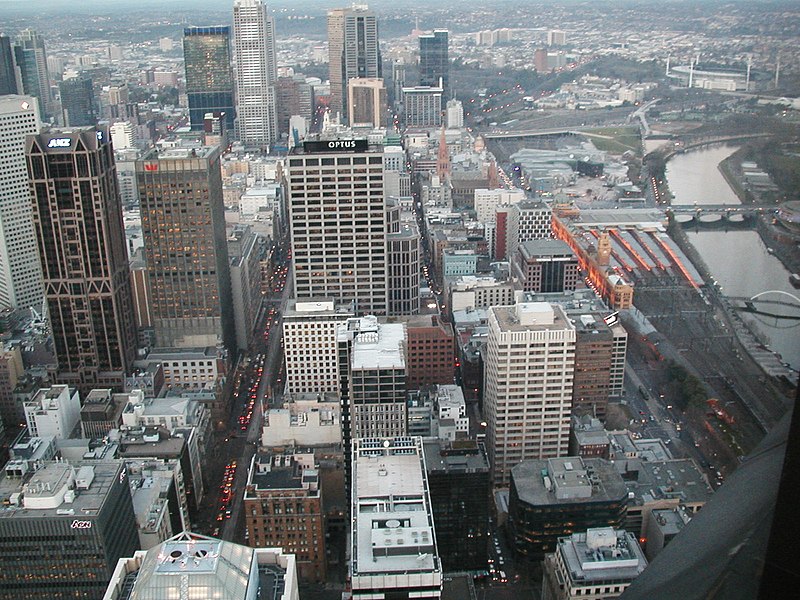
(774, 308)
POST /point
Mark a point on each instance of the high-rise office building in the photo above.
(183, 225)
(393, 544)
(530, 359)
(545, 266)
(433, 61)
(8, 74)
(256, 73)
(20, 270)
(77, 102)
(31, 59)
(78, 221)
(455, 114)
(309, 345)
(366, 102)
(337, 215)
(209, 79)
(63, 528)
(459, 480)
(353, 51)
(422, 106)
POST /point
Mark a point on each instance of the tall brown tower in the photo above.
(443, 158)
(81, 240)
(603, 249)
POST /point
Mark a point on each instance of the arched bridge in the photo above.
(749, 304)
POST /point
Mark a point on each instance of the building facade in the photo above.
(87, 509)
(460, 483)
(553, 498)
(186, 253)
(209, 79)
(353, 51)
(256, 73)
(366, 102)
(310, 346)
(78, 223)
(20, 269)
(283, 509)
(434, 65)
(546, 266)
(337, 214)
(530, 359)
(422, 106)
(78, 106)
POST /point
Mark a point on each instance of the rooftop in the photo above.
(393, 523)
(602, 554)
(379, 346)
(59, 490)
(284, 472)
(678, 478)
(461, 456)
(570, 480)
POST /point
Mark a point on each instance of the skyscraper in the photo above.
(8, 76)
(337, 215)
(31, 59)
(183, 225)
(78, 221)
(366, 101)
(77, 102)
(530, 359)
(256, 73)
(353, 51)
(433, 61)
(20, 271)
(209, 79)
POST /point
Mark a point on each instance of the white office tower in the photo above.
(455, 114)
(122, 135)
(310, 347)
(53, 411)
(486, 201)
(256, 73)
(393, 549)
(338, 223)
(527, 220)
(20, 269)
(530, 361)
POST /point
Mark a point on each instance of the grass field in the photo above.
(616, 140)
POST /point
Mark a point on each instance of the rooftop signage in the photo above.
(335, 146)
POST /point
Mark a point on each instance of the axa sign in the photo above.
(78, 524)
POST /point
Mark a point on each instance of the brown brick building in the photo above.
(283, 508)
(430, 353)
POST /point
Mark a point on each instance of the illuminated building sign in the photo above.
(78, 524)
(335, 146)
(59, 143)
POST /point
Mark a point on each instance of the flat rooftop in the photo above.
(585, 481)
(626, 218)
(679, 478)
(381, 349)
(465, 456)
(46, 488)
(602, 554)
(393, 522)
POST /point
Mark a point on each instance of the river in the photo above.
(738, 260)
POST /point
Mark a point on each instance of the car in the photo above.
(227, 514)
